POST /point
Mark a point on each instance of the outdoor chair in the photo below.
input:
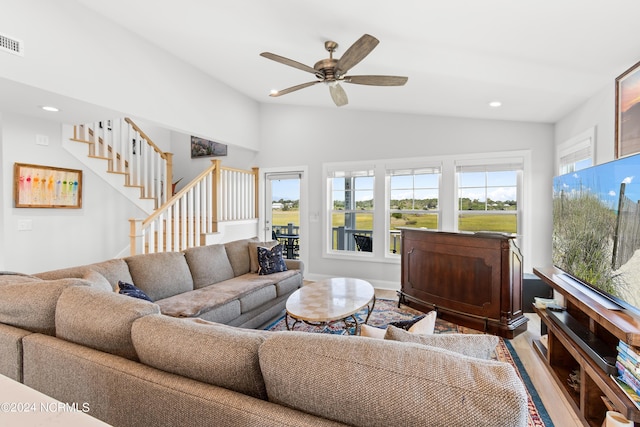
(363, 243)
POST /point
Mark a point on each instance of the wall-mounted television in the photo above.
(596, 229)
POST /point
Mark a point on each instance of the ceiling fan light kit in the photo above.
(333, 71)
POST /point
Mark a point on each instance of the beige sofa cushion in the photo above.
(208, 352)
(238, 254)
(11, 351)
(97, 281)
(367, 382)
(112, 269)
(160, 275)
(100, 320)
(474, 345)
(208, 265)
(30, 303)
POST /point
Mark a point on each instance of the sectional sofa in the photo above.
(166, 363)
(219, 283)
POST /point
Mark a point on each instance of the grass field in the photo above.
(504, 223)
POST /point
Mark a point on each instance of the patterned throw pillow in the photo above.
(132, 291)
(270, 260)
(406, 324)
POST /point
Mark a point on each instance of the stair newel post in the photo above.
(256, 182)
(93, 131)
(129, 156)
(122, 138)
(136, 237)
(146, 167)
(216, 191)
(113, 153)
(168, 185)
(135, 152)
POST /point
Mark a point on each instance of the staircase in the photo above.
(123, 155)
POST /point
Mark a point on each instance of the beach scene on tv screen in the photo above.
(596, 227)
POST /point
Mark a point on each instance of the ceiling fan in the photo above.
(333, 71)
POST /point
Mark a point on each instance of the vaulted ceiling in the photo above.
(540, 59)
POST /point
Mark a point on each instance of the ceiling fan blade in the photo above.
(290, 62)
(293, 88)
(356, 53)
(338, 94)
(377, 80)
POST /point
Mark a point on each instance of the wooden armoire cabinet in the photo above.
(471, 279)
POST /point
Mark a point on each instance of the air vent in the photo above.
(11, 45)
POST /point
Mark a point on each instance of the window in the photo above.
(576, 153)
(482, 192)
(488, 197)
(352, 205)
(413, 201)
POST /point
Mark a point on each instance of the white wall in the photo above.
(598, 112)
(59, 237)
(187, 168)
(313, 136)
(72, 51)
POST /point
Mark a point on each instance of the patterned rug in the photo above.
(387, 311)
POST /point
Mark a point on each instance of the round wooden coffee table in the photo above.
(330, 300)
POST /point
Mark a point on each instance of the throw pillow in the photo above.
(406, 324)
(128, 289)
(426, 325)
(253, 253)
(270, 260)
(475, 345)
(372, 332)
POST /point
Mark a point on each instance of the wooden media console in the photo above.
(580, 348)
(472, 279)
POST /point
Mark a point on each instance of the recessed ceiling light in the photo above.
(273, 91)
(50, 108)
(495, 104)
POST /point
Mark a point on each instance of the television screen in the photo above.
(596, 228)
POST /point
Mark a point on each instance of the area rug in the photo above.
(387, 311)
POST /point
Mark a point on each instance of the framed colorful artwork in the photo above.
(36, 186)
(627, 127)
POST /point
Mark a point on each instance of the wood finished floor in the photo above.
(554, 401)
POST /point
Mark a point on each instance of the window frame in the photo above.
(389, 169)
(574, 150)
(447, 199)
(495, 165)
(349, 171)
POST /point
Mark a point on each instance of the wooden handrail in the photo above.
(196, 209)
(215, 164)
(145, 136)
(153, 174)
(167, 157)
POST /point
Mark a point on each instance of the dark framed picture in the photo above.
(36, 186)
(201, 147)
(627, 126)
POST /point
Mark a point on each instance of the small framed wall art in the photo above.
(36, 186)
(201, 147)
(627, 127)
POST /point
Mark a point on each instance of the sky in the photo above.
(286, 189)
(605, 179)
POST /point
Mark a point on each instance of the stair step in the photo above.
(84, 141)
(98, 157)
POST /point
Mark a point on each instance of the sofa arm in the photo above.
(295, 264)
